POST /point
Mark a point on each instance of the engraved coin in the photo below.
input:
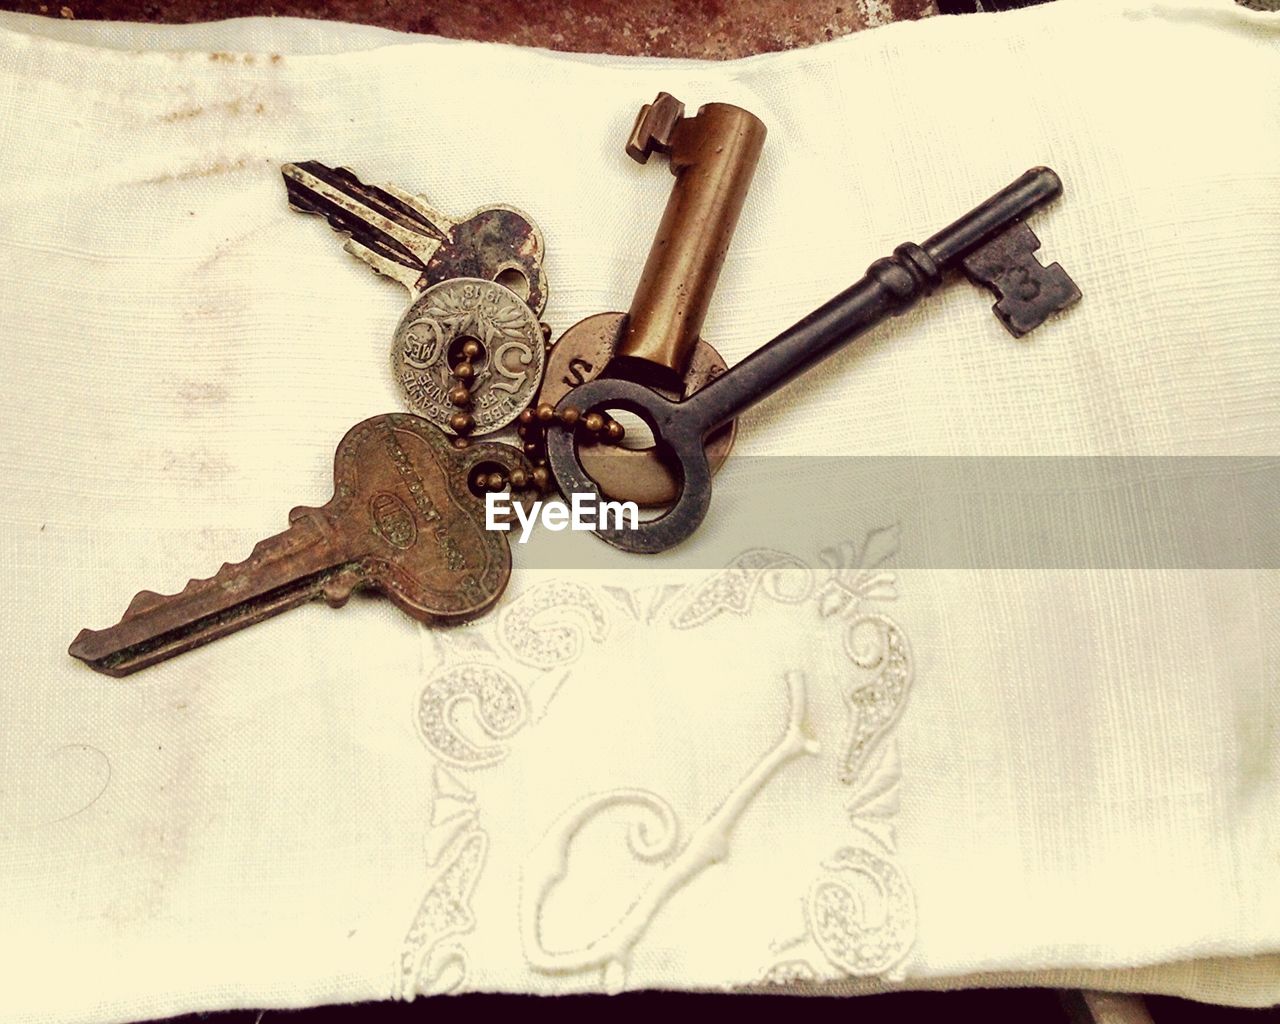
(430, 338)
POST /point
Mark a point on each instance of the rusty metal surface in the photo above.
(890, 286)
(628, 473)
(403, 237)
(403, 520)
(709, 29)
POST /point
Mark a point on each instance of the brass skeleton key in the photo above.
(713, 157)
(402, 520)
(989, 243)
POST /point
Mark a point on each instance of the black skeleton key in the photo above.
(991, 245)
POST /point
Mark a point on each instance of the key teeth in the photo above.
(411, 241)
(143, 601)
(337, 590)
(655, 125)
(1020, 319)
(1027, 291)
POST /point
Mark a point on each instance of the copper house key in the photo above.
(403, 520)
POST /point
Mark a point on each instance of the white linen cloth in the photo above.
(991, 777)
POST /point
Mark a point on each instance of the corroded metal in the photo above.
(890, 286)
(402, 236)
(403, 520)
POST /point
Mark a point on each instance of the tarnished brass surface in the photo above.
(628, 474)
(990, 243)
(658, 343)
(403, 520)
(713, 157)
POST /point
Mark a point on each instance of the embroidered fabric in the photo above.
(839, 767)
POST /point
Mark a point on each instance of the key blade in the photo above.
(281, 572)
(395, 233)
(1028, 292)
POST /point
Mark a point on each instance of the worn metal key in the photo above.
(403, 520)
(402, 236)
(990, 244)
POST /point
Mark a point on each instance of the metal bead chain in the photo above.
(464, 372)
(519, 479)
(533, 423)
(531, 428)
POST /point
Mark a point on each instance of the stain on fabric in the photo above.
(238, 107)
(201, 392)
(205, 170)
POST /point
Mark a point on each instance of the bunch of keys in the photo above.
(408, 518)
(468, 353)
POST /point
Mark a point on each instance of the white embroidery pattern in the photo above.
(548, 864)
(500, 707)
(851, 936)
(874, 642)
(859, 913)
(453, 810)
(497, 702)
(644, 603)
(734, 588)
(788, 972)
(445, 911)
(544, 628)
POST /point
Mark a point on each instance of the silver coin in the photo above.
(508, 370)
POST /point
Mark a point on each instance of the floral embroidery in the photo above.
(453, 810)
(548, 864)
(874, 642)
(853, 938)
(544, 627)
(535, 631)
(644, 603)
(875, 805)
(733, 588)
(857, 575)
(497, 703)
(788, 972)
(861, 912)
(445, 911)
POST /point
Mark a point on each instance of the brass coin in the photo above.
(627, 474)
